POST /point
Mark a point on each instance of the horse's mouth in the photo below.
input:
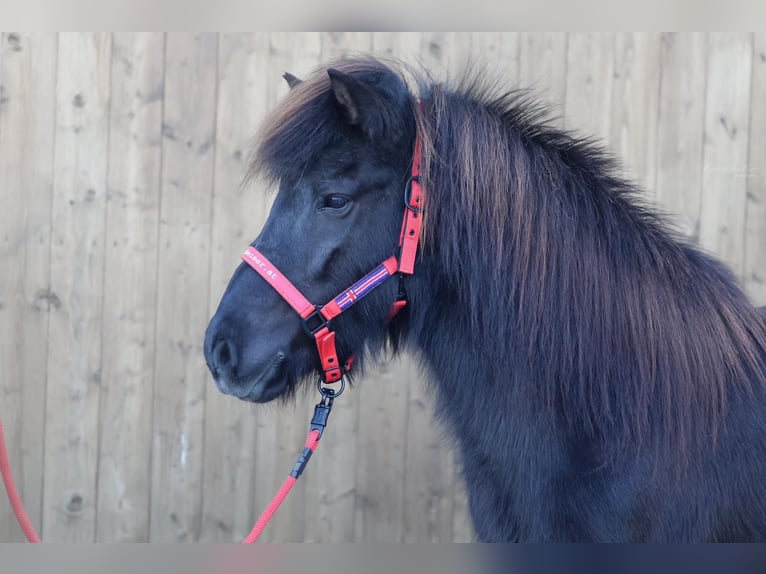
(261, 388)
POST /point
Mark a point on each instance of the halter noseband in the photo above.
(316, 318)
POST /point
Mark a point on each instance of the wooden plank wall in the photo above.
(122, 219)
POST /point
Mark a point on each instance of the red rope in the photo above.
(311, 443)
(26, 525)
(13, 494)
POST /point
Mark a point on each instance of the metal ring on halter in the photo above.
(331, 393)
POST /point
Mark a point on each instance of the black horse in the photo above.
(603, 380)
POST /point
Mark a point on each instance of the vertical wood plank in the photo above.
(445, 54)
(76, 295)
(10, 298)
(431, 481)
(458, 49)
(635, 103)
(462, 523)
(497, 54)
(27, 118)
(35, 171)
(230, 424)
(755, 220)
(727, 121)
(182, 286)
(132, 218)
(379, 500)
(590, 85)
(680, 128)
(543, 68)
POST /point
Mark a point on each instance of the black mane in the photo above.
(633, 333)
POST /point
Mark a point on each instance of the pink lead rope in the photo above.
(13, 494)
(311, 444)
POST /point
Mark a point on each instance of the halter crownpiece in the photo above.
(316, 318)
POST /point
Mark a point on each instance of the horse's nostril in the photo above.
(224, 356)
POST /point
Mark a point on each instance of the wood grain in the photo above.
(230, 425)
(635, 100)
(76, 293)
(27, 127)
(181, 377)
(129, 317)
(543, 68)
(590, 83)
(755, 207)
(680, 129)
(498, 54)
(727, 124)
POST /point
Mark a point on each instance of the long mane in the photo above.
(633, 336)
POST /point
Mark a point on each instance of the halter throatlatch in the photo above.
(317, 318)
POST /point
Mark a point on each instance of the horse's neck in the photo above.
(506, 446)
(472, 382)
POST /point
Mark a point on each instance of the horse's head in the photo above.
(339, 148)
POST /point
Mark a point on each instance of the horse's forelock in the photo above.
(302, 123)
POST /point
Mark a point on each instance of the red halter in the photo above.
(316, 318)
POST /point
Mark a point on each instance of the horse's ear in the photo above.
(362, 106)
(291, 80)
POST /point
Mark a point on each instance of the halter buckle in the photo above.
(315, 322)
(408, 194)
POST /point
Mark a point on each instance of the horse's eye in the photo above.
(335, 201)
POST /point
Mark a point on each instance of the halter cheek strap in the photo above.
(414, 200)
(316, 318)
